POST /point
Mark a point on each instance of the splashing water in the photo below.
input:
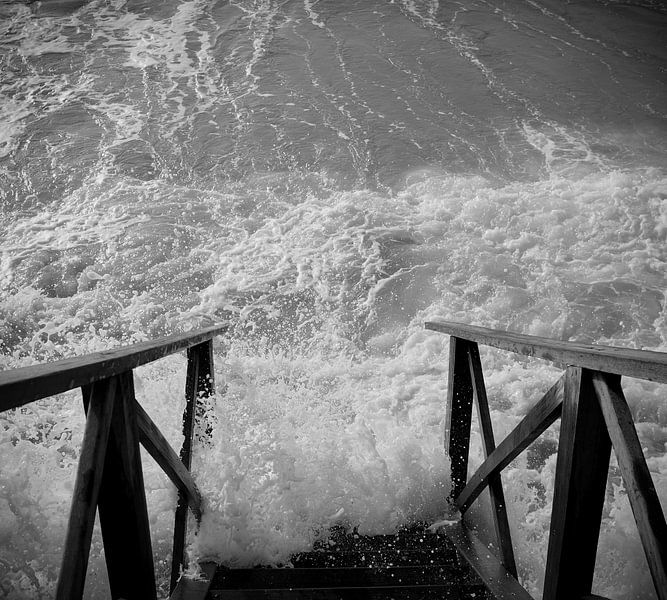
(324, 177)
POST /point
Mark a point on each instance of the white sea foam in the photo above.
(314, 17)
(38, 91)
(333, 394)
(330, 399)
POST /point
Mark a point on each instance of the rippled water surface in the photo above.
(325, 175)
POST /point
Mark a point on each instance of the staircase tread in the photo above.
(336, 577)
(372, 559)
(412, 541)
(431, 592)
(410, 565)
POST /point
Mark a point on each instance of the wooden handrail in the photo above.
(87, 489)
(594, 419)
(27, 384)
(642, 364)
(109, 475)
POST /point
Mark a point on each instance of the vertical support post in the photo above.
(639, 484)
(582, 466)
(122, 504)
(500, 521)
(199, 384)
(458, 414)
(99, 403)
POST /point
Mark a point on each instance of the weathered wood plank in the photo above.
(638, 482)
(538, 419)
(489, 569)
(195, 589)
(443, 591)
(164, 455)
(337, 577)
(199, 384)
(122, 504)
(458, 414)
(374, 558)
(500, 521)
(643, 364)
(582, 465)
(24, 385)
(72, 576)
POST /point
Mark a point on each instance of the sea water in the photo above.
(325, 175)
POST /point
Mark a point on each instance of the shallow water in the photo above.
(326, 176)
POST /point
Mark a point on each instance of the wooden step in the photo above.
(259, 578)
(411, 565)
(440, 592)
(393, 557)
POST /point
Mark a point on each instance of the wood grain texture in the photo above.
(72, 576)
(639, 485)
(458, 414)
(164, 455)
(500, 522)
(21, 386)
(643, 364)
(584, 449)
(122, 504)
(541, 416)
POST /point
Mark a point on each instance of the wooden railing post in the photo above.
(199, 384)
(636, 476)
(458, 414)
(109, 476)
(122, 504)
(595, 415)
(99, 403)
(500, 521)
(582, 466)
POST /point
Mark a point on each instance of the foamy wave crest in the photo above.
(327, 369)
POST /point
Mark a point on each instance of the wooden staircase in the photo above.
(414, 564)
(588, 399)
